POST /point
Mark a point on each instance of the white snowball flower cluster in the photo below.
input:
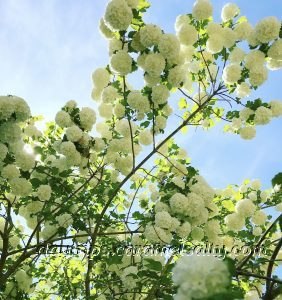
(184, 230)
(177, 76)
(121, 63)
(169, 46)
(259, 218)
(20, 187)
(44, 192)
(262, 116)
(245, 208)
(267, 29)
(248, 132)
(63, 119)
(276, 108)
(101, 78)
(105, 30)
(10, 171)
(229, 11)
(74, 133)
(155, 234)
(154, 64)
(150, 35)
(234, 222)
(160, 94)
(109, 94)
(202, 9)
(139, 102)
(243, 90)
(25, 161)
(64, 220)
(146, 137)
(118, 15)
(231, 73)
(243, 30)
(187, 34)
(68, 149)
(237, 55)
(24, 280)
(275, 51)
(87, 118)
(199, 277)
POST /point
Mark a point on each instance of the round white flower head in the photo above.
(259, 218)
(105, 110)
(181, 20)
(246, 113)
(243, 90)
(25, 161)
(257, 231)
(3, 151)
(248, 132)
(169, 46)
(245, 208)
(184, 230)
(44, 192)
(275, 51)
(262, 115)
(132, 3)
(21, 187)
(154, 64)
(145, 137)
(215, 43)
(139, 102)
(163, 219)
(177, 76)
(74, 133)
(10, 171)
(267, 29)
(202, 9)
(243, 30)
(101, 78)
(231, 73)
(121, 63)
(276, 108)
(274, 64)
(229, 37)
(254, 59)
(87, 118)
(21, 109)
(105, 30)
(150, 35)
(237, 55)
(118, 15)
(160, 94)
(258, 75)
(234, 222)
(155, 234)
(187, 34)
(200, 277)
(119, 110)
(256, 184)
(109, 94)
(229, 11)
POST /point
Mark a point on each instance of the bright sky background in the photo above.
(49, 48)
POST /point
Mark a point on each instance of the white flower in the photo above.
(118, 15)
(119, 110)
(160, 206)
(163, 219)
(197, 234)
(176, 76)
(234, 222)
(276, 108)
(44, 192)
(202, 9)
(275, 51)
(139, 102)
(25, 161)
(3, 151)
(262, 115)
(237, 55)
(101, 78)
(74, 133)
(258, 75)
(243, 90)
(229, 11)
(256, 184)
(146, 137)
(160, 122)
(187, 52)
(154, 64)
(123, 128)
(215, 43)
(184, 230)
(181, 20)
(274, 64)
(248, 132)
(169, 46)
(245, 208)
(254, 59)
(87, 118)
(257, 231)
(150, 35)
(278, 207)
(267, 29)
(200, 277)
(121, 63)
(243, 30)
(155, 234)
(187, 34)
(231, 73)
(132, 3)
(259, 218)
(109, 94)
(246, 113)
(160, 94)
(21, 187)
(10, 171)
(105, 30)
(21, 109)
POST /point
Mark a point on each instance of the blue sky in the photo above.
(49, 48)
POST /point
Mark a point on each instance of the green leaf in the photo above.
(277, 179)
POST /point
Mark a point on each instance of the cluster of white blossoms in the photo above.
(199, 277)
(185, 214)
(24, 280)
